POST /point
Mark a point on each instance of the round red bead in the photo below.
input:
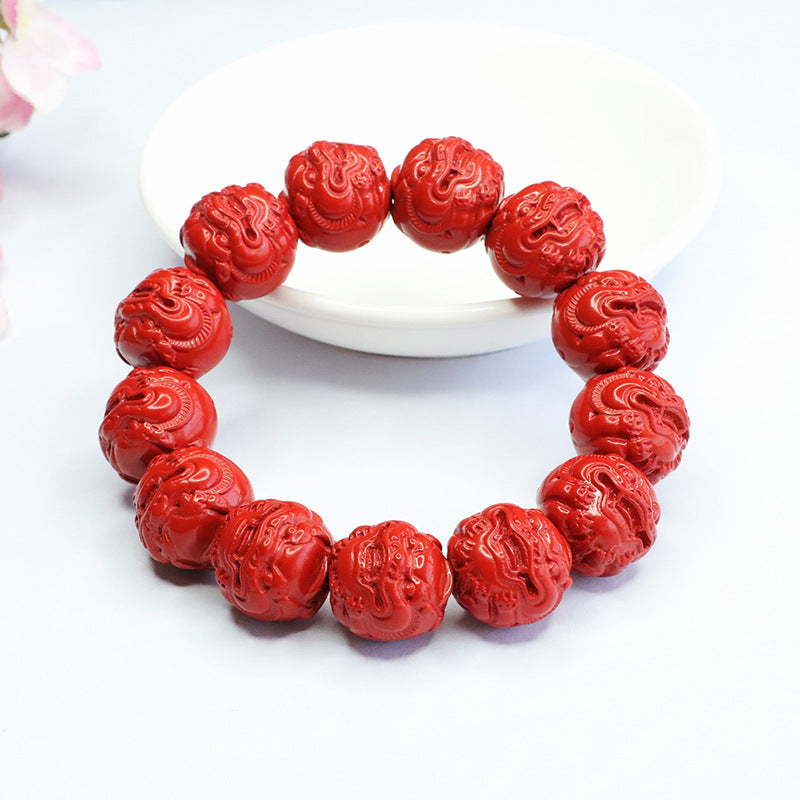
(634, 414)
(389, 581)
(271, 560)
(154, 410)
(609, 320)
(511, 565)
(445, 193)
(543, 238)
(338, 195)
(606, 510)
(182, 502)
(242, 239)
(173, 318)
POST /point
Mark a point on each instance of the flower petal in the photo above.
(31, 76)
(68, 50)
(8, 8)
(15, 112)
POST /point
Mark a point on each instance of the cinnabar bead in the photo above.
(242, 239)
(154, 410)
(543, 238)
(634, 414)
(511, 565)
(609, 320)
(605, 508)
(445, 193)
(389, 581)
(182, 502)
(173, 318)
(271, 560)
(338, 195)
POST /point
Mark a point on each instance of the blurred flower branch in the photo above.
(38, 51)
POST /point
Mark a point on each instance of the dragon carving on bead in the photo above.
(174, 318)
(635, 414)
(242, 239)
(543, 238)
(511, 565)
(338, 195)
(271, 560)
(389, 581)
(609, 320)
(606, 510)
(445, 193)
(154, 410)
(183, 500)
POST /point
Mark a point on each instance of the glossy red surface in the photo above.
(242, 239)
(606, 510)
(634, 414)
(389, 581)
(271, 560)
(511, 565)
(154, 410)
(445, 193)
(338, 195)
(543, 238)
(173, 318)
(182, 502)
(609, 320)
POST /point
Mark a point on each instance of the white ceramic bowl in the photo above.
(545, 107)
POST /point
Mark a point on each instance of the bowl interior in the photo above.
(545, 107)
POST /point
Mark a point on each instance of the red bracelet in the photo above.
(276, 560)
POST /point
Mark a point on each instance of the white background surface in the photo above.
(119, 679)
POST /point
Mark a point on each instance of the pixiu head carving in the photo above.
(445, 193)
(174, 318)
(543, 239)
(634, 414)
(183, 500)
(271, 560)
(606, 510)
(609, 320)
(338, 195)
(511, 565)
(152, 411)
(389, 581)
(242, 239)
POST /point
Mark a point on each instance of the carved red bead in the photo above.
(338, 195)
(511, 565)
(606, 510)
(389, 581)
(242, 239)
(182, 502)
(154, 410)
(445, 193)
(543, 238)
(173, 318)
(609, 320)
(634, 414)
(271, 560)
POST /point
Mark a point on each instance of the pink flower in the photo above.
(14, 111)
(38, 53)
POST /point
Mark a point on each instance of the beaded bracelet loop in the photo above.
(275, 560)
